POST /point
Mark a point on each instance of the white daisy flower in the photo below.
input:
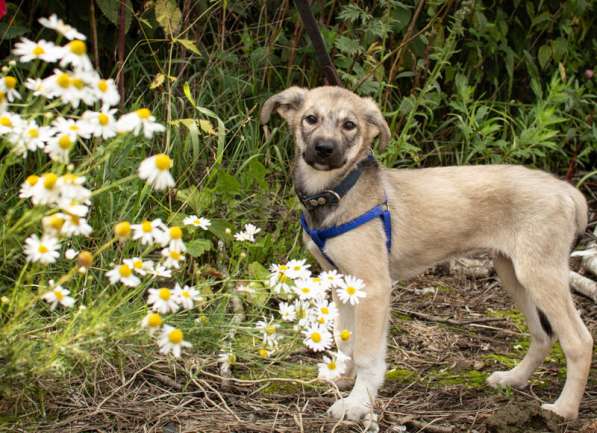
(71, 88)
(59, 147)
(160, 271)
(326, 312)
(333, 278)
(32, 137)
(323, 284)
(269, 331)
(226, 360)
(75, 225)
(307, 289)
(101, 123)
(163, 300)
(139, 266)
(351, 290)
(332, 367)
(149, 232)
(172, 341)
(186, 296)
(196, 221)
(10, 122)
(36, 85)
(155, 170)
(44, 250)
(173, 238)
(287, 311)
(70, 254)
(73, 206)
(124, 274)
(302, 309)
(138, 120)
(56, 24)
(71, 187)
(8, 85)
(52, 224)
(247, 234)
(278, 279)
(75, 54)
(27, 187)
(173, 257)
(28, 50)
(317, 338)
(298, 269)
(46, 190)
(343, 335)
(152, 321)
(105, 91)
(58, 295)
(78, 128)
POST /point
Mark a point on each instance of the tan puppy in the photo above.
(527, 218)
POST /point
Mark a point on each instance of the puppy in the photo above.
(526, 218)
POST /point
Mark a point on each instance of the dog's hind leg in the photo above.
(539, 329)
(546, 279)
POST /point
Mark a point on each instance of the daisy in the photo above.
(326, 312)
(152, 321)
(264, 353)
(122, 230)
(138, 265)
(269, 331)
(331, 368)
(28, 50)
(187, 296)
(58, 295)
(71, 88)
(343, 335)
(351, 290)
(226, 359)
(163, 300)
(149, 231)
(8, 85)
(78, 128)
(196, 221)
(35, 137)
(10, 122)
(317, 338)
(73, 206)
(173, 238)
(85, 259)
(75, 226)
(160, 271)
(100, 124)
(138, 120)
(28, 186)
(332, 278)
(59, 147)
(45, 190)
(54, 23)
(278, 279)
(44, 250)
(172, 340)
(287, 311)
(71, 187)
(124, 274)
(307, 289)
(52, 224)
(298, 269)
(155, 170)
(105, 91)
(75, 54)
(247, 234)
(173, 257)
(302, 313)
(70, 254)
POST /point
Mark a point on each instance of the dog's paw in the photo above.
(561, 410)
(351, 408)
(506, 378)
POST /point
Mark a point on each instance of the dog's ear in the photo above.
(374, 118)
(285, 103)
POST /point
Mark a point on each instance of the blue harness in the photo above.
(320, 236)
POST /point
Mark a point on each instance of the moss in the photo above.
(507, 361)
(400, 375)
(469, 378)
(300, 372)
(515, 316)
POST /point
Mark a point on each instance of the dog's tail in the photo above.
(582, 210)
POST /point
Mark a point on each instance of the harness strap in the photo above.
(320, 236)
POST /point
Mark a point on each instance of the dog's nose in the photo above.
(324, 148)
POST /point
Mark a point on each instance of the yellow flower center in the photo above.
(5, 121)
(321, 320)
(146, 226)
(33, 132)
(38, 50)
(42, 249)
(77, 47)
(345, 335)
(122, 229)
(331, 365)
(297, 268)
(63, 80)
(50, 180)
(186, 294)
(163, 162)
(316, 279)
(138, 264)
(325, 310)
(56, 222)
(306, 290)
(283, 268)
(102, 85)
(103, 119)
(175, 232)
(125, 271)
(70, 178)
(351, 290)
(175, 255)
(270, 329)
(2, 96)
(65, 142)
(263, 353)
(11, 82)
(75, 220)
(74, 127)
(85, 259)
(315, 337)
(175, 336)
(78, 83)
(58, 295)
(283, 278)
(154, 320)
(143, 113)
(32, 180)
(164, 293)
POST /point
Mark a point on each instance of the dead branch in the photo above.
(583, 285)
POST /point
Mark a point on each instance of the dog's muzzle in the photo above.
(324, 154)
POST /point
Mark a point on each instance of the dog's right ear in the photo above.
(285, 103)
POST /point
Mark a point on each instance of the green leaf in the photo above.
(258, 272)
(13, 31)
(168, 16)
(197, 247)
(189, 45)
(544, 55)
(111, 10)
(218, 227)
(348, 46)
(227, 184)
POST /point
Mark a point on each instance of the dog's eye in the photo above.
(349, 125)
(311, 119)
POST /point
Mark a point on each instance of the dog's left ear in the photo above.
(374, 118)
(286, 103)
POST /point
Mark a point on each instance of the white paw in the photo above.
(561, 410)
(506, 378)
(351, 408)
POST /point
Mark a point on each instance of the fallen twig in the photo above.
(583, 285)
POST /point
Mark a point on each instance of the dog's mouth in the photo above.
(323, 165)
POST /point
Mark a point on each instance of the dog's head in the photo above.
(332, 126)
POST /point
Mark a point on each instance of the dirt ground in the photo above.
(448, 334)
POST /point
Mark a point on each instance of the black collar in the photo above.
(334, 195)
